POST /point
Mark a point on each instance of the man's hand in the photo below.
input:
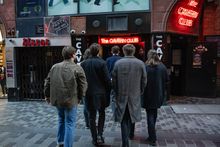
(47, 99)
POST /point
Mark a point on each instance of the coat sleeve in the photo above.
(81, 83)
(143, 79)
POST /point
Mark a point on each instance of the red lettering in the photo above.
(24, 42)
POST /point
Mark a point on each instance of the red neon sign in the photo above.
(35, 42)
(193, 3)
(189, 15)
(185, 22)
(119, 40)
(187, 12)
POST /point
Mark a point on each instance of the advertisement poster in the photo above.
(130, 5)
(30, 8)
(91, 6)
(62, 7)
(57, 26)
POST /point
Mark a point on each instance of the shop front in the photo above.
(28, 61)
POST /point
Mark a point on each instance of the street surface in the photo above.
(33, 124)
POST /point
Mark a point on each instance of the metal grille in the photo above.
(32, 67)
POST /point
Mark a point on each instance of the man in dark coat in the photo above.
(129, 80)
(154, 93)
(99, 84)
(115, 50)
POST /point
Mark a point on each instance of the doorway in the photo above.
(32, 67)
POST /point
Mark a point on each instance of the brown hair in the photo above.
(115, 49)
(94, 49)
(128, 49)
(67, 52)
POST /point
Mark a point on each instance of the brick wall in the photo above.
(78, 24)
(160, 10)
(211, 19)
(7, 14)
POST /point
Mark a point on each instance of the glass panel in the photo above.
(91, 6)
(61, 7)
(118, 23)
(131, 5)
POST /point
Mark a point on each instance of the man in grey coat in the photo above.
(129, 80)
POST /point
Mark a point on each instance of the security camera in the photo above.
(72, 31)
(83, 32)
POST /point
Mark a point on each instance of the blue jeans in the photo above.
(66, 125)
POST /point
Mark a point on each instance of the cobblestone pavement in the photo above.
(33, 124)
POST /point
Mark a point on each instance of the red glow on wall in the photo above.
(119, 40)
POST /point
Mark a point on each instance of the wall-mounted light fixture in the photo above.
(1, 38)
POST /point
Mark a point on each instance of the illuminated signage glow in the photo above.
(189, 15)
(193, 3)
(185, 22)
(119, 40)
(187, 12)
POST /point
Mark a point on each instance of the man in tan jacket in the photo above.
(64, 87)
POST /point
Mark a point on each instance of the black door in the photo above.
(201, 72)
(32, 67)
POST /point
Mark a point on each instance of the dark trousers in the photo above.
(86, 114)
(127, 128)
(151, 122)
(3, 85)
(92, 121)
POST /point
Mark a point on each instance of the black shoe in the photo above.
(131, 136)
(150, 142)
(95, 143)
(100, 139)
(97, 4)
(88, 1)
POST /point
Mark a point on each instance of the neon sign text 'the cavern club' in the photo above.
(119, 40)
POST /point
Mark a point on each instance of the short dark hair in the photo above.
(128, 49)
(68, 51)
(115, 49)
(94, 49)
(86, 54)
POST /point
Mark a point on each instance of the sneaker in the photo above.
(100, 139)
(150, 142)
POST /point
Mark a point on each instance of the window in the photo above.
(118, 23)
